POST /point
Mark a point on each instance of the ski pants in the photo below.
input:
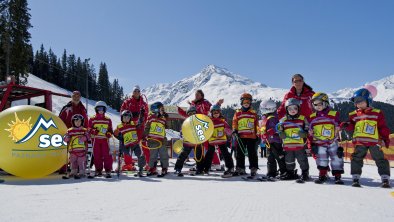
(276, 156)
(128, 151)
(302, 159)
(161, 151)
(78, 161)
(329, 152)
(185, 153)
(250, 146)
(211, 153)
(102, 155)
(377, 154)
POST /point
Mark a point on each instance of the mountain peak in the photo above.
(211, 69)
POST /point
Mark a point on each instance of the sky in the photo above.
(334, 44)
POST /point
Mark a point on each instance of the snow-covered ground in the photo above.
(201, 198)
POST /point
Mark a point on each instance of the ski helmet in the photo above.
(155, 107)
(126, 113)
(100, 104)
(77, 117)
(292, 102)
(362, 95)
(319, 96)
(216, 108)
(191, 109)
(267, 106)
(246, 96)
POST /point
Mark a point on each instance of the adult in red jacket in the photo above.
(301, 91)
(203, 106)
(73, 107)
(139, 109)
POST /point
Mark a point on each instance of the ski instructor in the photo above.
(301, 91)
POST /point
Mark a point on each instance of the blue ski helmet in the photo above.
(216, 108)
(155, 107)
(362, 95)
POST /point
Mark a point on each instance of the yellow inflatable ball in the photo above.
(32, 143)
(197, 129)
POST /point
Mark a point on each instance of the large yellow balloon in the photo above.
(197, 129)
(32, 143)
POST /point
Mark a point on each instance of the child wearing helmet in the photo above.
(155, 134)
(369, 130)
(324, 128)
(100, 129)
(292, 130)
(219, 140)
(76, 139)
(187, 148)
(268, 135)
(245, 127)
(126, 132)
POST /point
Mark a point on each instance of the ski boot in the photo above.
(178, 173)
(289, 175)
(304, 177)
(338, 180)
(239, 172)
(164, 172)
(228, 173)
(385, 183)
(108, 175)
(321, 179)
(152, 172)
(98, 174)
(356, 183)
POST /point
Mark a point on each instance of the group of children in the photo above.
(286, 140)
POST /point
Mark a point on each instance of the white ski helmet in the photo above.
(100, 104)
(267, 106)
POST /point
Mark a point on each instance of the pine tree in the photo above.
(103, 83)
(15, 38)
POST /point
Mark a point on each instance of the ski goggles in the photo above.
(100, 108)
(317, 104)
(358, 99)
(77, 117)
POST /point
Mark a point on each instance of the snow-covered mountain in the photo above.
(219, 83)
(385, 89)
(216, 83)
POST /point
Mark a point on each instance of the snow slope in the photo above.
(200, 198)
(219, 83)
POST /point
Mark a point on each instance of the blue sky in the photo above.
(148, 41)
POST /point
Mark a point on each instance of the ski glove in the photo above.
(94, 131)
(340, 152)
(108, 135)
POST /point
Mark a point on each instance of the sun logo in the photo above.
(19, 129)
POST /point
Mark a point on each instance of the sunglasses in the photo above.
(137, 91)
(298, 81)
(100, 108)
(317, 104)
(191, 113)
